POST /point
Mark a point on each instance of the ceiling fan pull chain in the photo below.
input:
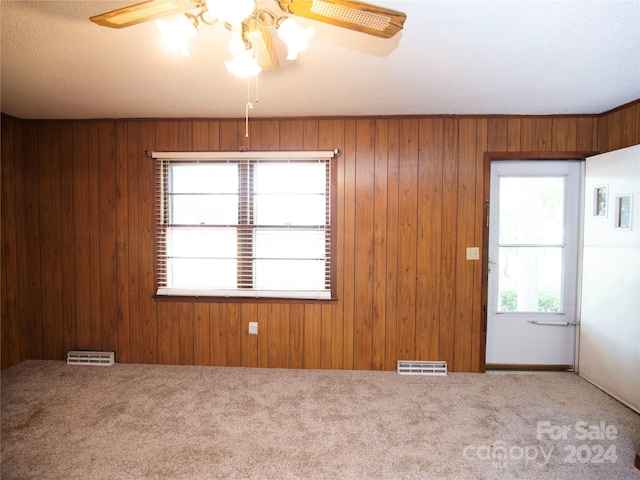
(246, 119)
(247, 107)
(256, 77)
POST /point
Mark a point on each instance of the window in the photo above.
(254, 224)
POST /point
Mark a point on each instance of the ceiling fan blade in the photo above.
(143, 12)
(260, 39)
(359, 16)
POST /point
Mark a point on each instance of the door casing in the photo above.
(484, 213)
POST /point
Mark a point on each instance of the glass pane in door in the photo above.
(531, 244)
(531, 210)
(530, 279)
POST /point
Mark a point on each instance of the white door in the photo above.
(533, 263)
(610, 309)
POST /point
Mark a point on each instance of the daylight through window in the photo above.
(244, 224)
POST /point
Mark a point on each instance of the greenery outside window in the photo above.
(244, 224)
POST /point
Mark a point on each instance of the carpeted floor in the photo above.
(173, 422)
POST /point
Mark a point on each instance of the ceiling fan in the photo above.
(251, 45)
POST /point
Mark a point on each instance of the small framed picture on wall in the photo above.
(600, 200)
(624, 211)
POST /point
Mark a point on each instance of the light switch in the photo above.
(473, 253)
(253, 328)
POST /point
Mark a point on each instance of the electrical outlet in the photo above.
(253, 328)
(473, 253)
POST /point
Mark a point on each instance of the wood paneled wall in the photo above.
(78, 239)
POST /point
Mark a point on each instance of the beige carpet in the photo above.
(171, 422)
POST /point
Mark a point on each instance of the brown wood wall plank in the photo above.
(429, 246)
(311, 135)
(218, 334)
(107, 241)
(297, 332)
(214, 135)
(348, 251)
(78, 213)
(201, 334)
(625, 127)
(379, 259)
(168, 333)
(364, 222)
(595, 138)
(123, 290)
(234, 330)
(67, 216)
(450, 225)
(616, 130)
(498, 134)
(564, 134)
(10, 326)
(619, 128)
(514, 134)
(50, 240)
(526, 141)
(95, 317)
(20, 326)
(542, 134)
(311, 322)
(82, 235)
(584, 135)
(133, 242)
(291, 135)
(407, 238)
(200, 140)
(29, 259)
(326, 346)
(187, 336)
(602, 133)
(278, 336)
(391, 281)
(263, 339)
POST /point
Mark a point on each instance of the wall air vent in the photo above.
(104, 359)
(406, 367)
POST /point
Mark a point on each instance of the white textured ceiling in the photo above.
(453, 57)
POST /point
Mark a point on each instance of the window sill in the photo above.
(216, 299)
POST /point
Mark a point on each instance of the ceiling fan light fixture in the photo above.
(176, 34)
(236, 42)
(243, 65)
(295, 37)
(251, 43)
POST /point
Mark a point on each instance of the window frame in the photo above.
(237, 294)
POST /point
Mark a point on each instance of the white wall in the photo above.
(609, 354)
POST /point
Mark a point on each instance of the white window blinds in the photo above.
(244, 224)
